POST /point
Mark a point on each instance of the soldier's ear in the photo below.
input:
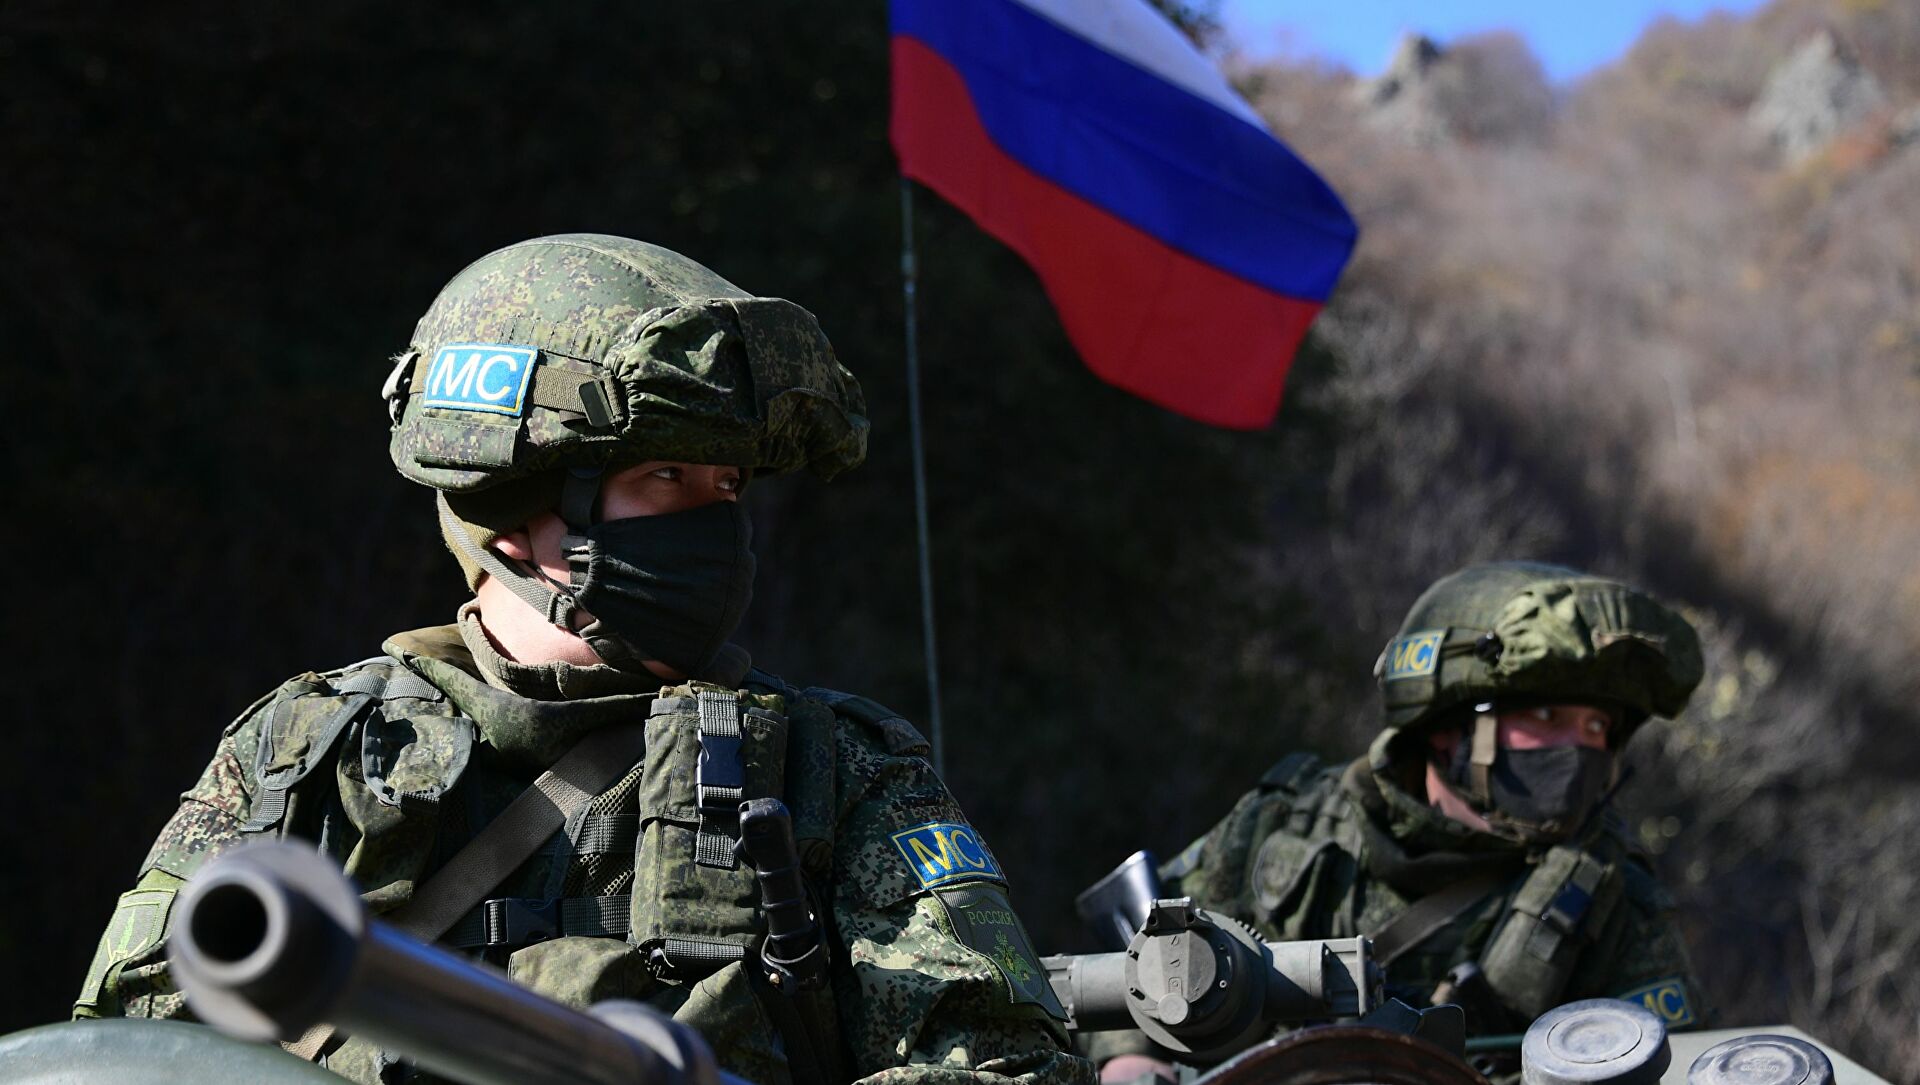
(514, 544)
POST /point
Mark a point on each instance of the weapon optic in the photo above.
(1205, 986)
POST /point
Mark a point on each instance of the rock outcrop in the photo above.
(1405, 100)
(1488, 88)
(1812, 97)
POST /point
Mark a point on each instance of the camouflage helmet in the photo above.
(1539, 632)
(586, 350)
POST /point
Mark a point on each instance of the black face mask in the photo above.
(1544, 793)
(670, 588)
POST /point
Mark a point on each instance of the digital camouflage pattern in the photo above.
(1320, 851)
(687, 367)
(1526, 629)
(419, 766)
(694, 369)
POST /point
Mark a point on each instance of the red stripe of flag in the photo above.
(1144, 316)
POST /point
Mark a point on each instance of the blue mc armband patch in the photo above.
(942, 854)
(1414, 655)
(488, 377)
(1667, 998)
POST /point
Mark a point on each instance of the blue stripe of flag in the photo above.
(1167, 161)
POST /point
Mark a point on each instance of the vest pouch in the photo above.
(1290, 875)
(1553, 918)
(391, 795)
(695, 907)
(728, 1013)
(299, 736)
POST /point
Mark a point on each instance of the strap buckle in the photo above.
(720, 776)
(719, 780)
(397, 386)
(1575, 897)
(516, 921)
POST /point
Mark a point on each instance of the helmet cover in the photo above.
(1530, 631)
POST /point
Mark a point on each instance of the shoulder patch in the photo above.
(139, 921)
(1414, 655)
(1667, 998)
(983, 918)
(944, 853)
(490, 378)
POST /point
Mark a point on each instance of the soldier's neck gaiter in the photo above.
(670, 588)
(1546, 793)
(550, 681)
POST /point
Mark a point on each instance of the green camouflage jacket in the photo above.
(392, 764)
(1319, 851)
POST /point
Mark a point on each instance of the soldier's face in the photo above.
(659, 486)
(654, 488)
(1537, 727)
(648, 489)
(1543, 727)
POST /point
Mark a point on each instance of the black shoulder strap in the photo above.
(900, 735)
(1430, 913)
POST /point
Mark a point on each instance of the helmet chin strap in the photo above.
(556, 602)
(1486, 747)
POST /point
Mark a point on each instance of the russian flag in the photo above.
(1185, 248)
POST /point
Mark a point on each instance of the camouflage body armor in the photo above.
(1323, 851)
(1508, 922)
(539, 366)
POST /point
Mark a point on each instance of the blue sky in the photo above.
(1571, 37)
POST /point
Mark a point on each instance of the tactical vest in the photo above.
(690, 915)
(1310, 850)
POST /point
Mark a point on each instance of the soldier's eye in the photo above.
(671, 474)
(1543, 714)
(729, 483)
(1597, 725)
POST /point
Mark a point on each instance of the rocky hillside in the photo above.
(1669, 324)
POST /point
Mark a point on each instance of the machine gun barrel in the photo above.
(272, 940)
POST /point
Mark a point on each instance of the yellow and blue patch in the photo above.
(1414, 655)
(942, 853)
(488, 377)
(1667, 998)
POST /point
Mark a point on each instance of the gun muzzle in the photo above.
(271, 940)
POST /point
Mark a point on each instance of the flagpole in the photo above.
(910, 283)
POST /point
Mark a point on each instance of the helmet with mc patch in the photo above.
(587, 350)
(1525, 629)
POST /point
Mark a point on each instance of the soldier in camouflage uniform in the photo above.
(1473, 841)
(587, 409)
